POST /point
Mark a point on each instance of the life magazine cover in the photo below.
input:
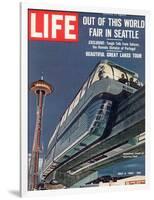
(86, 99)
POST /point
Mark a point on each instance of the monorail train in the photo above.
(87, 118)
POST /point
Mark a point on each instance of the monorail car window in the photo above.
(66, 113)
(118, 74)
(76, 100)
(70, 108)
(62, 120)
(84, 89)
(90, 79)
(103, 71)
(108, 71)
(64, 117)
(129, 75)
(95, 77)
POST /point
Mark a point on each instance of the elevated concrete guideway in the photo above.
(127, 136)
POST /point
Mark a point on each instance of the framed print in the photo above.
(82, 98)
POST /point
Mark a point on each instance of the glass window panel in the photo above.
(118, 74)
(90, 79)
(84, 89)
(108, 73)
(65, 114)
(64, 117)
(62, 120)
(76, 100)
(103, 71)
(70, 108)
(95, 77)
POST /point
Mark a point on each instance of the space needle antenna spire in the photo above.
(41, 89)
(42, 76)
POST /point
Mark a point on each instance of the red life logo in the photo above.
(52, 26)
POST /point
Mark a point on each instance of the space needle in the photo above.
(41, 89)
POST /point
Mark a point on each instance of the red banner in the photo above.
(52, 26)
